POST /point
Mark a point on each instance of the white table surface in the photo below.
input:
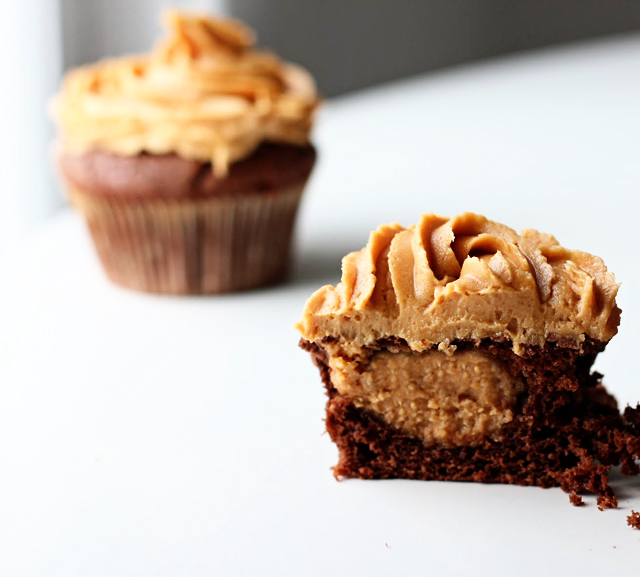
(144, 435)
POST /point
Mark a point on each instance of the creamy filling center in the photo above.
(445, 400)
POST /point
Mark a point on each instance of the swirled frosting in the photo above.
(464, 278)
(203, 93)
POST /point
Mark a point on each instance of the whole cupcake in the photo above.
(189, 163)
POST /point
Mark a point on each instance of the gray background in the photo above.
(350, 44)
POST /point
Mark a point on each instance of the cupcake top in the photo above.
(203, 93)
(464, 278)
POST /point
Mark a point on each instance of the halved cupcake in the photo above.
(460, 350)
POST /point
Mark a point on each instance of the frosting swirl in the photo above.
(464, 278)
(203, 93)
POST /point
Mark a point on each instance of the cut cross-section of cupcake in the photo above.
(189, 163)
(459, 350)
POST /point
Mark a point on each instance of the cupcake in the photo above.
(189, 163)
(459, 350)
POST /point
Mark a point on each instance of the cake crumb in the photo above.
(387, 545)
(576, 500)
(607, 501)
(633, 520)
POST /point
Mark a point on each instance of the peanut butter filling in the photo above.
(444, 400)
(464, 278)
(204, 93)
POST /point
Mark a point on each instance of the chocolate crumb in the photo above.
(633, 520)
(607, 501)
(576, 500)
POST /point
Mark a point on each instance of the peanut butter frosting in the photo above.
(203, 93)
(446, 400)
(464, 278)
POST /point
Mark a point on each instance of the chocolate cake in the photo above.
(459, 350)
(269, 169)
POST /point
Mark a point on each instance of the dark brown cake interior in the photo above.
(567, 430)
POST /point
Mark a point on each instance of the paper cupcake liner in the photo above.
(192, 246)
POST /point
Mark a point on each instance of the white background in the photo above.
(143, 435)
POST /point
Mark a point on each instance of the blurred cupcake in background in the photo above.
(188, 163)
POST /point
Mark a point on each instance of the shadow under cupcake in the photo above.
(189, 163)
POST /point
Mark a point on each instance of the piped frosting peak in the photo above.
(464, 278)
(204, 93)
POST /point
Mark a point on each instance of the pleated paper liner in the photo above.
(192, 246)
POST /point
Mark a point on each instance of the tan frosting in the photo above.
(448, 400)
(203, 93)
(464, 278)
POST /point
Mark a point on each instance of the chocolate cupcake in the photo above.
(459, 350)
(189, 163)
